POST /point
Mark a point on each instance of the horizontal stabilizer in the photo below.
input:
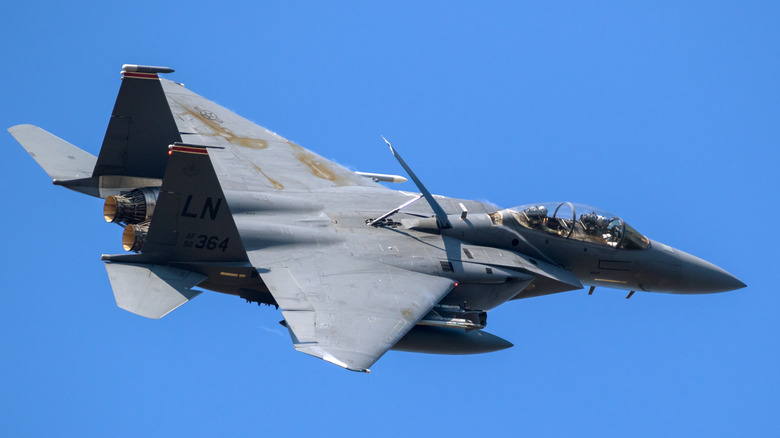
(151, 291)
(60, 159)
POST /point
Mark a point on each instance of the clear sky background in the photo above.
(665, 114)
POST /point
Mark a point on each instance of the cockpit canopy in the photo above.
(579, 222)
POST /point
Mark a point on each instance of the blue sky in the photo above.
(664, 113)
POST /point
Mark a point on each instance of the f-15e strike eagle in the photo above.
(210, 200)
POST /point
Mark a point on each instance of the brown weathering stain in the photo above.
(320, 170)
(276, 184)
(227, 134)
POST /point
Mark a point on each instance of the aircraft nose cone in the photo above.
(701, 276)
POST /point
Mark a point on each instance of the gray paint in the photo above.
(244, 211)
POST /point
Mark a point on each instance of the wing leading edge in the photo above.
(348, 312)
(253, 157)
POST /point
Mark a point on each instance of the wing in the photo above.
(254, 158)
(344, 310)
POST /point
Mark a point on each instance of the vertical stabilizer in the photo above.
(192, 221)
(134, 153)
(141, 127)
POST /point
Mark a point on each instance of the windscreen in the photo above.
(580, 222)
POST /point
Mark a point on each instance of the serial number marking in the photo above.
(203, 241)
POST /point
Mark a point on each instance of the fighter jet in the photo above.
(211, 201)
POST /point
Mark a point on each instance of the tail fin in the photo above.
(191, 227)
(192, 221)
(141, 127)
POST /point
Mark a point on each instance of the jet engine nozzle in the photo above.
(134, 236)
(133, 207)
